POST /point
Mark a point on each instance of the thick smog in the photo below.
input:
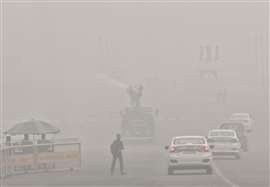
(134, 93)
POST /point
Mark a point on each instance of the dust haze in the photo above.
(70, 63)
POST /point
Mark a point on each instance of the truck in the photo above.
(138, 123)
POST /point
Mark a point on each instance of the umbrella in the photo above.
(34, 127)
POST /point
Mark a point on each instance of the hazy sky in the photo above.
(77, 54)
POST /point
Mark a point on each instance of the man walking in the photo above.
(116, 150)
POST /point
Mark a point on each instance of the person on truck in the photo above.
(135, 94)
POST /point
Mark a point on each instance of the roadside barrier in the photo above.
(41, 157)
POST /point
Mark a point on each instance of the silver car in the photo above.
(224, 142)
(245, 118)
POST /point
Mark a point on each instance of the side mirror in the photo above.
(166, 147)
(212, 146)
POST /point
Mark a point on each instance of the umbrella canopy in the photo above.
(34, 127)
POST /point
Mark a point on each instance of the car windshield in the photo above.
(233, 126)
(138, 123)
(222, 133)
(222, 140)
(240, 116)
(189, 141)
(188, 148)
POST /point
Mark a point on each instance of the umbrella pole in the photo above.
(36, 166)
(34, 139)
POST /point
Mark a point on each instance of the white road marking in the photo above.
(222, 176)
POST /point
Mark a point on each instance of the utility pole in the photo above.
(258, 48)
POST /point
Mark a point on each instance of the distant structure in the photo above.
(209, 56)
(222, 96)
(209, 60)
(258, 53)
(209, 53)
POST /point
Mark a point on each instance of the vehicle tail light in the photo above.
(205, 148)
(172, 149)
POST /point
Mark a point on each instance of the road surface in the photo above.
(146, 163)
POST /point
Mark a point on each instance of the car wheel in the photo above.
(209, 170)
(245, 149)
(237, 156)
(170, 171)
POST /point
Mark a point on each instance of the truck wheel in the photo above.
(170, 171)
(209, 170)
(237, 156)
(245, 148)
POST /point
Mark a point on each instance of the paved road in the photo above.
(146, 164)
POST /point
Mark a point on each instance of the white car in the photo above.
(224, 142)
(245, 118)
(189, 152)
